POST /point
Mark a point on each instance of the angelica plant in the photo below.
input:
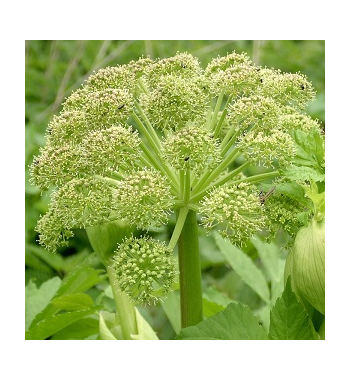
(142, 141)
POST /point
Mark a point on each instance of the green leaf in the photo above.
(211, 308)
(293, 190)
(33, 262)
(145, 331)
(52, 324)
(236, 322)
(244, 267)
(270, 255)
(214, 301)
(109, 326)
(216, 296)
(170, 306)
(308, 164)
(210, 255)
(310, 149)
(82, 279)
(318, 200)
(295, 173)
(36, 299)
(263, 315)
(73, 302)
(289, 320)
(55, 261)
(80, 330)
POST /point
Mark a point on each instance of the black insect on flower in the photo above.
(264, 196)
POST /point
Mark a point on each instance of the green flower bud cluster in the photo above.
(267, 149)
(101, 108)
(192, 148)
(282, 211)
(143, 199)
(292, 120)
(111, 148)
(234, 75)
(112, 78)
(235, 210)
(55, 166)
(286, 88)
(174, 102)
(79, 203)
(182, 65)
(139, 141)
(145, 269)
(261, 126)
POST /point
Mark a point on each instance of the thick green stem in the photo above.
(190, 273)
(125, 309)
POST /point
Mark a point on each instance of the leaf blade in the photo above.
(236, 322)
(289, 320)
(36, 299)
(53, 324)
(244, 267)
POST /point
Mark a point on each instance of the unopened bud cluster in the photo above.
(145, 269)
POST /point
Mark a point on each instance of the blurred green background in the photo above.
(53, 69)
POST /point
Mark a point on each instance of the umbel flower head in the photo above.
(191, 147)
(235, 210)
(145, 269)
(137, 142)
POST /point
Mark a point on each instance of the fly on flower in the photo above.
(264, 196)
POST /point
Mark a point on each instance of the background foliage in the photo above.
(55, 68)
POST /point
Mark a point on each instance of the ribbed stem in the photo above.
(190, 273)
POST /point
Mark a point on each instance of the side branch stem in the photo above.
(181, 218)
(207, 179)
(222, 118)
(155, 158)
(150, 128)
(125, 309)
(221, 181)
(215, 115)
(258, 178)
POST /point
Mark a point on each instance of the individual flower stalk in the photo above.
(141, 141)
